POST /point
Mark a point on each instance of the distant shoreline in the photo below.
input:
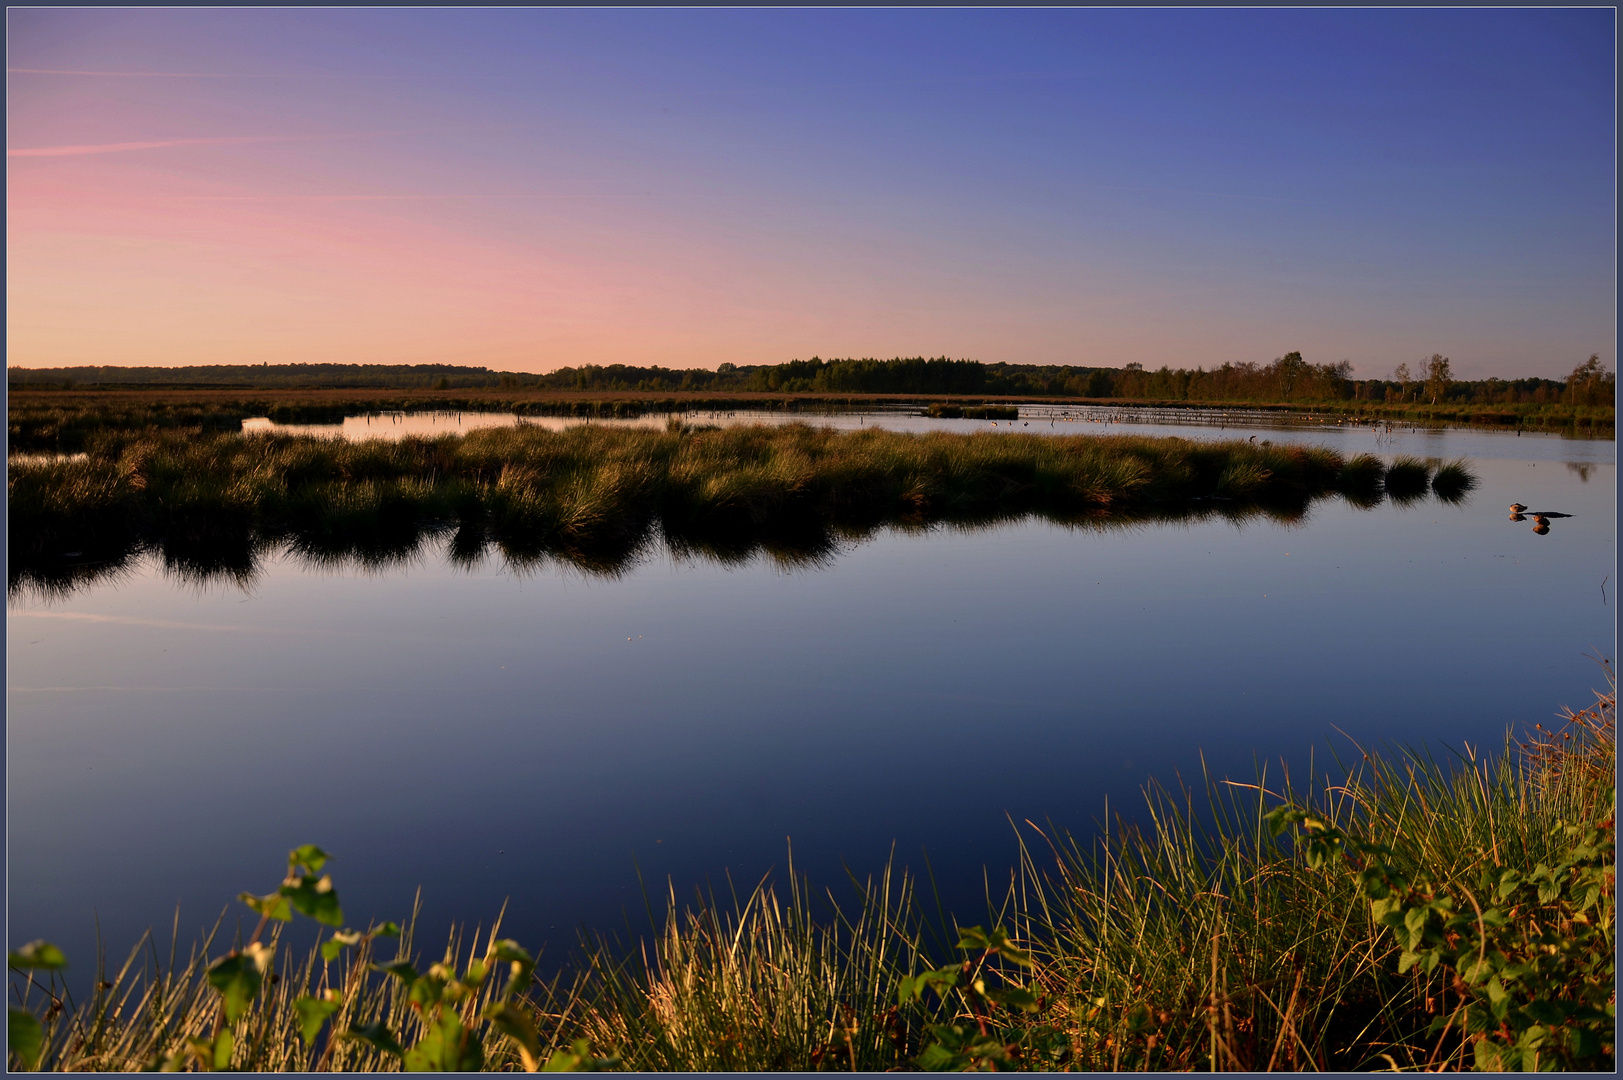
(34, 411)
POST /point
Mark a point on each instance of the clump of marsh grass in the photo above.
(1360, 480)
(1452, 481)
(1406, 479)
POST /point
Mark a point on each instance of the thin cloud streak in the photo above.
(157, 144)
(381, 198)
(181, 74)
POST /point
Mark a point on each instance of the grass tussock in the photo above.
(1406, 479)
(1452, 481)
(598, 496)
(1421, 915)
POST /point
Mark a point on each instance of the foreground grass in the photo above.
(596, 496)
(1429, 916)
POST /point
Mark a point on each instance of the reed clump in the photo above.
(597, 496)
(1406, 478)
(1428, 915)
(1452, 480)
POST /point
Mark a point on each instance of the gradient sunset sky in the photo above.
(528, 189)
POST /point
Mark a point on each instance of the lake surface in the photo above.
(539, 738)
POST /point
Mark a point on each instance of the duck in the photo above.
(1516, 508)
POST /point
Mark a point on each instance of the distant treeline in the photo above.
(1289, 378)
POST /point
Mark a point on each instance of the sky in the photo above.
(529, 189)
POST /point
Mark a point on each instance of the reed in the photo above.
(1196, 936)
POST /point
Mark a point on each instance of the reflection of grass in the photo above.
(595, 496)
(1187, 939)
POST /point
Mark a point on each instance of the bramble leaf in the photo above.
(25, 1039)
(313, 1013)
(36, 955)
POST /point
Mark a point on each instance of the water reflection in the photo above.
(1541, 518)
(205, 551)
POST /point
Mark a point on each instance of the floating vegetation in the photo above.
(598, 497)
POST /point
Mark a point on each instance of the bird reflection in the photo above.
(1541, 518)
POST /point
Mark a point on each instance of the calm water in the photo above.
(538, 738)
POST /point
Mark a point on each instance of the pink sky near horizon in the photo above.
(173, 220)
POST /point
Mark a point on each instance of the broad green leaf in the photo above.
(25, 1039)
(973, 937)
(314, 897)
(428, 1055)
(341, 940)
(510, 950)
(388, 929)
(36, 955)
(238, 975)
(1583, 1043)
(427, 991)
(464, 1050)
(517, 1025)
(308, 856)
(1015, 997)
(937, 1058)
(578, 1058)
(273, 906)
(378, 1035)
(1487, 1057)
(313, 1012)
(223, 1045)
(400, 969)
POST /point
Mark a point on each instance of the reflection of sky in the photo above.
(526, 189)
(492, 736)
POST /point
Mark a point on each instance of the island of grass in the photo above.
(597, 495)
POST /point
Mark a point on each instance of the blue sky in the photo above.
(527, 189)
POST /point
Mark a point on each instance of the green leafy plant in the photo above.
(25, 1038)
(452, 1026)
(1528, 955)
(989, 1040)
